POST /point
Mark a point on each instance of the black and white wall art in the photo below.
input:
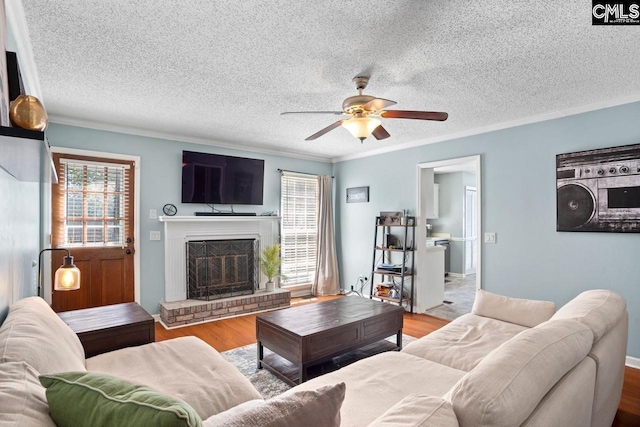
(599, 190)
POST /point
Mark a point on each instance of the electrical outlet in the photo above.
(154, 235)
(490, 237)
(153, 214)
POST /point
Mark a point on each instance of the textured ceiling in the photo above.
(223, 71)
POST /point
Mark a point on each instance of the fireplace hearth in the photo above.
(219, 269)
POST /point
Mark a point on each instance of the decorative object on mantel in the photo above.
(270, 262)
(170, 209)
(358, 195)
(27, 112)
(14, 77)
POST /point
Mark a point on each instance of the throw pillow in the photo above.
(22, 399)
(93, 399)
(320, 408)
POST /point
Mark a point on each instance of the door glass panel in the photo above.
(74, 205)
(74, 232)
(115, 228)
(115, 180)
(94, 205)
(95, 178)
(95, 231)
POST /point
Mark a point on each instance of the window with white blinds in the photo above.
(91, 203)
(299, 227)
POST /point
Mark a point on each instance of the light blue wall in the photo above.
(160, 176)
(530, 259)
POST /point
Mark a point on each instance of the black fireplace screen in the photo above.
(221, 268)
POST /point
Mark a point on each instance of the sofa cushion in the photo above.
(22, 398)
(418, 411)
(78, 399)
(523, 312)
(33, 333)
(509, 383)
(376, 383)
(320, 408)
(599, 309)
(186, 368)
(464, 342)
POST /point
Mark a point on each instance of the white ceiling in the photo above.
(222, 71)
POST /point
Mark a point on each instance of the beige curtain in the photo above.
(327, 281)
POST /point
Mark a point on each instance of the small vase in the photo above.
(27, 112)
(271, 286)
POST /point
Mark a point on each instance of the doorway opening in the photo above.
(449, 194)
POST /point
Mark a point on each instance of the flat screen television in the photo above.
(225, 180)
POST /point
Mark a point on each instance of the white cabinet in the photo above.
(436, 202)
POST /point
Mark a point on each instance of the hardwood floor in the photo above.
(236, 332)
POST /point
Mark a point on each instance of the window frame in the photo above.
(307, 230)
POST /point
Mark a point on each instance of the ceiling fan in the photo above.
(364, 111)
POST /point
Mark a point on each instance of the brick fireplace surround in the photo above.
(176, 310)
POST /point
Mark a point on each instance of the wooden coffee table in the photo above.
(313, 333)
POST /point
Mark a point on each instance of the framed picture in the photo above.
(599, 190)
(358, 195)
(390, 218)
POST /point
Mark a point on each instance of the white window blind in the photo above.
(299, 227)
(92, 203)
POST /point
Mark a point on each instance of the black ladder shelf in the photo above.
(382, 250)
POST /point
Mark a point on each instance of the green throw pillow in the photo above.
(93, 399)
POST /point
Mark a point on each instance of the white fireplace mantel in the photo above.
(178, 230)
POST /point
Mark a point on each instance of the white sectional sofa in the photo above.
(509, 363)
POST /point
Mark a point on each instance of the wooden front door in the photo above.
(92, 216)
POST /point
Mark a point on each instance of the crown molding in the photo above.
(498, 126)
(63, 120)
(20, 31)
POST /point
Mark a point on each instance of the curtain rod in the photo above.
(303, 173)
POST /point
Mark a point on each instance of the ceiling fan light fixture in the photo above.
(361, 127)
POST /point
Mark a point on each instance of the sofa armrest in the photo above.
(418, 411)
(523, 312)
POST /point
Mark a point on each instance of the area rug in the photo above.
(269, 385)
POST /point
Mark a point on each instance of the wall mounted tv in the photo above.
(225, 180)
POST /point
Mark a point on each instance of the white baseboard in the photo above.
(456, 275)
(156, 317)
(633, 362)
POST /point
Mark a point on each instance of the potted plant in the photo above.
(270, 263)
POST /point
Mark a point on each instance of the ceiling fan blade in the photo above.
(325, 130)
(380, 133)
(417, 115)
(378, 104)
(337, 113)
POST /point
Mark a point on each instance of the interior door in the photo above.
(92, 216)
(470, 230)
